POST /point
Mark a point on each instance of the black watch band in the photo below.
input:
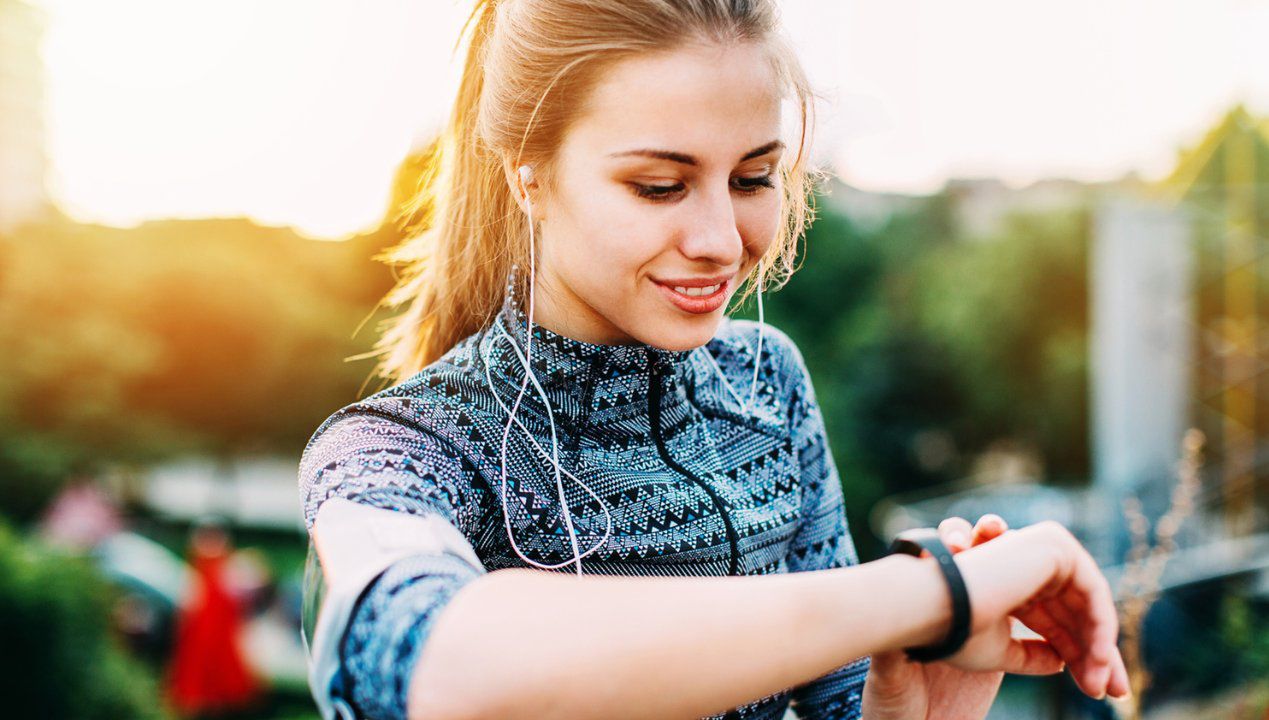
(912, 542)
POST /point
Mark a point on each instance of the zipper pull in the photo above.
(654, 365)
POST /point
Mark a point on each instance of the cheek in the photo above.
(758, 222)
(617, 232)
(608, 242)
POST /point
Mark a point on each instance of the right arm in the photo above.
(687, 647)
(521, 643)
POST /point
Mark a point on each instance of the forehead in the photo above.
(713, 101)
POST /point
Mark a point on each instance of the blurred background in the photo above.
(1035, 288)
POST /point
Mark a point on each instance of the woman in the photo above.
(570, 393)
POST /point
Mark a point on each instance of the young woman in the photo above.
(569, 393)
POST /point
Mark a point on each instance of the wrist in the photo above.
(922, 608)
(915, 543)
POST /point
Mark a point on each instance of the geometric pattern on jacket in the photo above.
(696, 486)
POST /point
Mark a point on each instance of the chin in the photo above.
(689, 333)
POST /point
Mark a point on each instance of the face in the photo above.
(668, 178)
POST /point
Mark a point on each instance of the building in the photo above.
(983, 205)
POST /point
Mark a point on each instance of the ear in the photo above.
(518, 190)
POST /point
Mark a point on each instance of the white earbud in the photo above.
(526, 177)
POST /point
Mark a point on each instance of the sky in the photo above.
(297, 112)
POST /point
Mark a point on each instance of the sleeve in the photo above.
(823, 541)
(396, 507)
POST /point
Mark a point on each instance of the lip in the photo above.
(694, 282)
(697, 305)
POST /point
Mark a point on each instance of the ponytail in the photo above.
(454, 267)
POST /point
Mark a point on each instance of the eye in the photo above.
(666, 193)
(753, 185)
(657, 193)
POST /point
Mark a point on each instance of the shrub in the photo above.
(61, 657)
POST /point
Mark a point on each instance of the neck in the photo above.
(561, 311)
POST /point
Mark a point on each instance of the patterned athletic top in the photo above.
(695, 484)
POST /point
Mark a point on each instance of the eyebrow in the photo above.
(686, 159)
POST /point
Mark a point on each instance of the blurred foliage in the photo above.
(1245, 632)
(61, 659)
(928, 347)
(1012, 314)
(132, 345)
(1205, 640)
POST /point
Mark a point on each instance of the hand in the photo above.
(1044, 577)
(898, 688)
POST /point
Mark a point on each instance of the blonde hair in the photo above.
(528, 62)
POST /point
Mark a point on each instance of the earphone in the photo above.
(525, 174)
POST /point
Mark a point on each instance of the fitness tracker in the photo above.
(912, 542)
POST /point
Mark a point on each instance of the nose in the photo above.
(713, 234)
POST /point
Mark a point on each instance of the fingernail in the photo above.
(958, 538)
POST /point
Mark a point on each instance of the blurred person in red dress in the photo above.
(209, 675)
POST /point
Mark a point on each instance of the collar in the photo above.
(585, 383)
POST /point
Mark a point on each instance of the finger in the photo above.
(1068, 619)
(1103, 645)
(989, 526)
(955, 533)
(1089, 589)
(1119, 684)
(1090, 674)
(1036, 617)
(1029, 656)
(1069, 613)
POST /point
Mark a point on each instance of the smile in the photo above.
(696, 300)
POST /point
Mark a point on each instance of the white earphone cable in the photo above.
(525, 174)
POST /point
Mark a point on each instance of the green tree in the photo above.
(219, 337)
(1012, 314)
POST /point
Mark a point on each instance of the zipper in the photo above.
(654, 415)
